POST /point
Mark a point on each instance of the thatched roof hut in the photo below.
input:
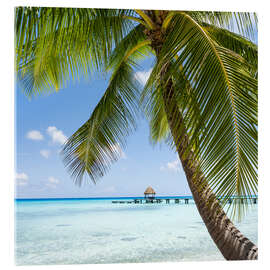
(149, 190)
(149, 193)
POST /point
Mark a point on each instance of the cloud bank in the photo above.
(57, 135)
(21, 179)
(173, 166)
(52, 182)
(34, 135)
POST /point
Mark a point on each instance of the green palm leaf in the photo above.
(56, 43)
(235, 43)
(225, 130)
(95, 145)
(242, 22)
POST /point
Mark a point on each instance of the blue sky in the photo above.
(44, 123)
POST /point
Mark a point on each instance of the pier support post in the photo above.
(167, 200)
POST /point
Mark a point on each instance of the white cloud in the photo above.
(21, 179)
(173, 166)
(57, 135)
(45, 153)
(142, 76)
(52, 182)
(22, 176)
(34, 135)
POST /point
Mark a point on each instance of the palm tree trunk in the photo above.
(231, 242)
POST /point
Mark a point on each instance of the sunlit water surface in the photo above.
(97, 231)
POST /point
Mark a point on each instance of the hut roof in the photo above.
(149, 190)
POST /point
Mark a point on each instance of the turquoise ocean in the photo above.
(95, 231)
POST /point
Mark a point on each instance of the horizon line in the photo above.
(114, 197)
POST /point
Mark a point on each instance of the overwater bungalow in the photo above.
(149, 193)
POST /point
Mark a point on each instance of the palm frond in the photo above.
(225, 130)
(152, 102)
(53, 44)
(133, 46)
(236, 43)
(97, 143)
(153, 106)
(244, 23)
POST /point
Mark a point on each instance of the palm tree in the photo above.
(201, 96)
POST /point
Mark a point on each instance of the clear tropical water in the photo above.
(98, 231)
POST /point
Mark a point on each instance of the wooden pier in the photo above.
(241, 200)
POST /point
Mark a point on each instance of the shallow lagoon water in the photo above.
(97, 231)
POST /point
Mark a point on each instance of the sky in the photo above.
(44, 123)
(42, 126)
